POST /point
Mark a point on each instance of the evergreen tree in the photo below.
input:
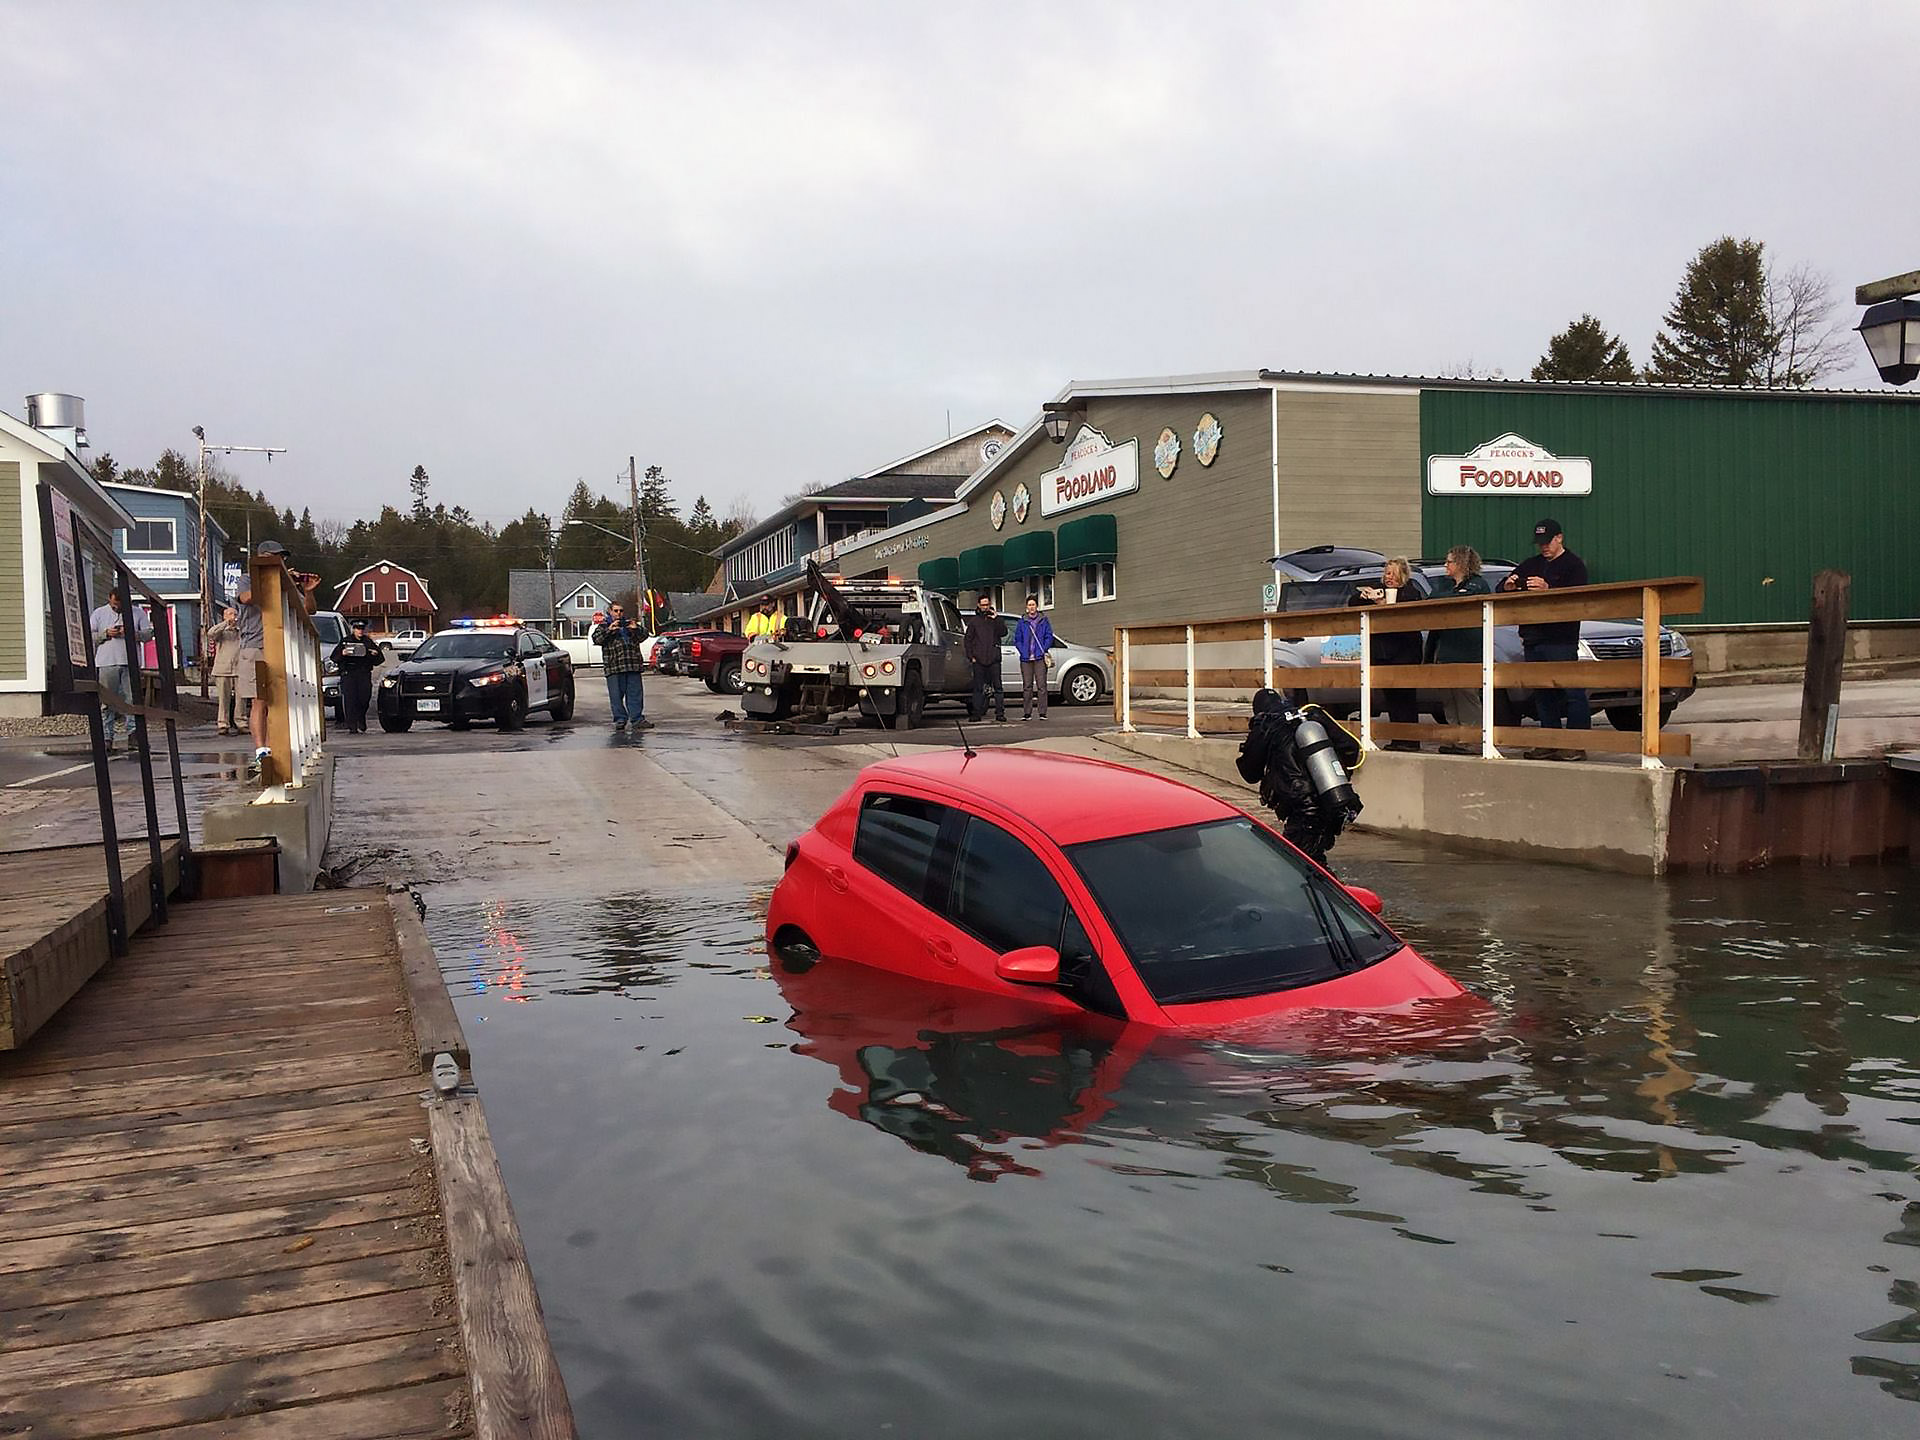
(105, 468)
(700, 518)
(1585, 351)
(172, 471)
(1718, 331)
(655, 501)
(417, 483)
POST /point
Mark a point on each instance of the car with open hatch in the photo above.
(1081, 886)
(496, 669)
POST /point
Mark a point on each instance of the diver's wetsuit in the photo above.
(1270, 758)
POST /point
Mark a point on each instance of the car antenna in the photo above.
(965, 744)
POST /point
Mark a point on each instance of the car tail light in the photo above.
(696, 649)
(793, 854)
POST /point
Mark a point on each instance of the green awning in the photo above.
(980, 567)
(1088, 541)
(1029, 554)
(942, 574)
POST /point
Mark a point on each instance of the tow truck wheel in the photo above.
(396, 724)
(515, 715)
(911, 706)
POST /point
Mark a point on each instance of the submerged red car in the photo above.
(1079, 886)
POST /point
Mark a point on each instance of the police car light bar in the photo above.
(495, 623)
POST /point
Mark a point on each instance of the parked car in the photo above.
(1076, 674)
(1082, 886)
(650, 647)
(674, 654)
(331, 627)
(714, 655)
(405, 642)
(1323, 578)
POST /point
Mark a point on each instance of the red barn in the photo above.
(390, 596)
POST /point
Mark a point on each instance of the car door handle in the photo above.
(942, 950)
(837, 878)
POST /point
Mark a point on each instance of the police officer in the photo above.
(356, 658)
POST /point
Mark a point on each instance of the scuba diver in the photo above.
(1302, 761)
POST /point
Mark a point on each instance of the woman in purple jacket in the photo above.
(1033, 637)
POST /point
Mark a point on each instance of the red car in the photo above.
(1079, 886)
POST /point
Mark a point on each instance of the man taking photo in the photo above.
(1554, 568)
(619, 638)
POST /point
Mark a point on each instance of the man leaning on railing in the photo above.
(253, 641)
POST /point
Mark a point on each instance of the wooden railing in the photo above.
(1142, 653)
(289, 679)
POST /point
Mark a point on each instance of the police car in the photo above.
(499, 669)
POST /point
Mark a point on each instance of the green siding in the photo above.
(13, 589)
(1739, 490)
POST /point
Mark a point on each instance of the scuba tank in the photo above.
(1321, 764)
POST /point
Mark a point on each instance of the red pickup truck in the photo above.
(715, 656)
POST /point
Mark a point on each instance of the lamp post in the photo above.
(1891, 326)
(206, 585)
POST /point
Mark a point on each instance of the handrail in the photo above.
(289, 675)
(1645, 600)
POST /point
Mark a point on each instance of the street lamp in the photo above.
(639, 573)
(1058, 417)
(1892, 332)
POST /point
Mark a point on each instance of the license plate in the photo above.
(427, 707)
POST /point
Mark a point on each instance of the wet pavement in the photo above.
(1663, 1184)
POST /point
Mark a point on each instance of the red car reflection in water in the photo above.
(1075, 887)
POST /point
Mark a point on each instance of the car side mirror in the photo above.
(1369, 899)
(510, 653)
(1033, 965)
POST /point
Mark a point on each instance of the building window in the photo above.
(1039, 587)
(150, 537)
(399, 592)
(1097, 583)
(366, 591)
(583, 601)
(582, 629)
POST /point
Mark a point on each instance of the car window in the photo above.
(895, 839)
(462, 645)
(329, 629)
(1226, 909)
(1317, 594)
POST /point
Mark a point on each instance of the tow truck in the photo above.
(880, 647)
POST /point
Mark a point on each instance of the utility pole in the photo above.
(206, 579)
(639, 548)
(553, 593)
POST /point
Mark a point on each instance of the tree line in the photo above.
(1738, 318)
(464, 559)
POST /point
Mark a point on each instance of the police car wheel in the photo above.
(459, 722)
(562, 706)
(396, 724)
(515, 715)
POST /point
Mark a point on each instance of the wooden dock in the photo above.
(232, 1206)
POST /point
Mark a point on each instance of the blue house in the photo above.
(163, 548)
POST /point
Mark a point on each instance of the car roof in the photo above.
(1068, 797)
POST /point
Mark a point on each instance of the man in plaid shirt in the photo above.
(619, 639)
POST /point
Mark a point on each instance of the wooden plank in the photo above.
(262, 1080)
(1826, 654)
(412, 1412)
(1612, 742)
(436, 1028)
(331, 1098)
(517, 1390)
(144, 1311)
(188, 1138)
(92, 1411)
(1206, 678)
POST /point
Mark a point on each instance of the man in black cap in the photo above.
(1554, 568)
(356, 657)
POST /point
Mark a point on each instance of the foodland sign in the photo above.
(1509, 466)
(1095, 469)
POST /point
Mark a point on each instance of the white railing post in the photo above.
(1366, 681)
(1488, 750)
(1126, 681)
(1193, 699)
(1266, 650)
(1649, 678)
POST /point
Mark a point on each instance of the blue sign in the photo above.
(230, 579)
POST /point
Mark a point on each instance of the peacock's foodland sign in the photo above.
(1509, 466)
(1095, 469)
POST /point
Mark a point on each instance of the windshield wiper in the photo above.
(1335, 934)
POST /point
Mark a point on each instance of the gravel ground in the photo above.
(18, 726)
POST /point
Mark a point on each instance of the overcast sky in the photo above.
(768, 244)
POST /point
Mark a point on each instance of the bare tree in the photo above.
(740, 516)
(1467, 369)
(332, 534)
(1810, 343)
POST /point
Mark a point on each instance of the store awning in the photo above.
(981, 566)
(1088, 541)
(942, 574)
(1029, 554)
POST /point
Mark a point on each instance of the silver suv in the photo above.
(1323, 578)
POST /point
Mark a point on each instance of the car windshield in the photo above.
(466, 645)
(329, 629)
(1225, 910)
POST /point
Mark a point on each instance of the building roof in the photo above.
(527, 590)
(875, 489)
(416, 578)
(937, 445)
(85, 491)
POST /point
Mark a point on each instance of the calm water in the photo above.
(1665, 1184)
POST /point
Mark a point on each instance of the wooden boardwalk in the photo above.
(225, 1198)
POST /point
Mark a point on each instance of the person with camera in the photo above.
(982, 633)
(225, 639)
(619, 637)
(111, 659)
(253, 639)
(356, 657)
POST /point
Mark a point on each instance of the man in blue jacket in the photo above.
(1033, 637)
